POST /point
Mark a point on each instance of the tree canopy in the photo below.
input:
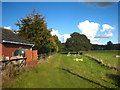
(78, 42)
(34, 29)
(58, 42)
(109, 45)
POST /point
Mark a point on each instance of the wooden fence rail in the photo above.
(3, 61)
(20, 62)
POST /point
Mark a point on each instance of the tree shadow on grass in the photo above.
(115, 78)
(68, 71)
(63, 52)
(71, 53)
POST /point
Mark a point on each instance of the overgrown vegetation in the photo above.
(61, 71)
(34, 29)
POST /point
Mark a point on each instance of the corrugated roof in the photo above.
(8, 35)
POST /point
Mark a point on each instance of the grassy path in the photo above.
(106, 56)
(61, 71)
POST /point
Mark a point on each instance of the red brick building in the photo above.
(10, 42)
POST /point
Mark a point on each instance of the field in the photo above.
(106, 57)
(62, 71)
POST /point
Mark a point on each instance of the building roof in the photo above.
(7, 36)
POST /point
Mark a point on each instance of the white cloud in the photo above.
(9, 27)
(62, 38)
(55, 32)
(95, 40)
(65, 37)
(89, 29)
(106, 27)
(105, 35)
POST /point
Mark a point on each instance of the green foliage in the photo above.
(59, 44)
(55, 73)
(109, 46)
(78, 42)
(34, 29)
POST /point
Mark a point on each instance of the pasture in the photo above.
(107, 57)
(62, 71)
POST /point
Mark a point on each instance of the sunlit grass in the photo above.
(61, 71)
(106, 56)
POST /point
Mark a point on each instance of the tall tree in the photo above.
(58, 42)
(78, 42)
(34, 29)
(109, 46)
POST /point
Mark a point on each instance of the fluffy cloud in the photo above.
(89, 29)
(62, 38)
(55, 32)
(105, 35)
(65, 37)
(9, 27)
(106, 27)
(95, 40)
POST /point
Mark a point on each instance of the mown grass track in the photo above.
(61, 71)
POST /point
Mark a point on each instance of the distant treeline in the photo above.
(108, 46)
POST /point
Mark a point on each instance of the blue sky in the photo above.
(99, 24)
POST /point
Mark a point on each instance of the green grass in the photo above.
(61, 71)
(106, 56)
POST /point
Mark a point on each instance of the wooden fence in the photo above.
(20, 62)
(11, 67)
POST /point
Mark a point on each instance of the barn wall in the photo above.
(35, 54)
(8, 49)
(32, 57)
